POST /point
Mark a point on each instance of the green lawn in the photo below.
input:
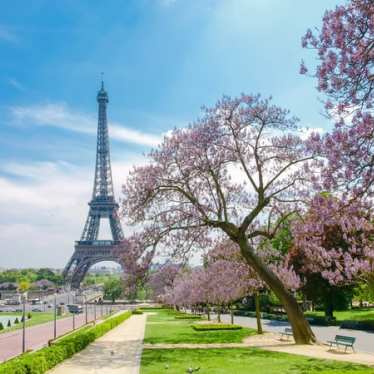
(350, 315)
(240, 361)
(36, 319)
(162, 327)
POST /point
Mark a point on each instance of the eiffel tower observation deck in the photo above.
(89, 250)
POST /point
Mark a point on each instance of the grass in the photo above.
(347, 315)
(162, 327)
(240, 361)
(36, 319)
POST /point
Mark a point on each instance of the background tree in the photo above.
(113, 289)
(333, 249)
(162, 278)
(136, 256)
(23, 286)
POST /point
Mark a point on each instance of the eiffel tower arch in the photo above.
(89, 250)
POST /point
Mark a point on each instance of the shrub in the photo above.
(213, 326)
(187, 316)
(9, 324)
(16, 321)
(29, 315)
(358, 325)
(46, 358)
(137, 311)
(1, 326)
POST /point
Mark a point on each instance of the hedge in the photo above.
(40, 361)
(137, 311)
(213, 326)
(187, 316)
(358, 325)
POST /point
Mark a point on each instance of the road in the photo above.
(63, 297)
(39, 335)
(364, 340)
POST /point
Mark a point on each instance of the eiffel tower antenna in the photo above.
(89, 250)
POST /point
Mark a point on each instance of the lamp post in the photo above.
(55, 317)
(85, 305)
(24, 295)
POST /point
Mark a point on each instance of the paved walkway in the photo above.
(118, 351)
(364, 339)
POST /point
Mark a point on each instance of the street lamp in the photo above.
(55, 318)
(85, 305)
(24, 296)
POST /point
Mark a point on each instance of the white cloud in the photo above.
(43, 209)
(59, 115)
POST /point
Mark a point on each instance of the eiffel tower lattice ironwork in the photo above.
(89, 250)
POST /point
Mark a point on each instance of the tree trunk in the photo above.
(208, 312)
(219, 314)
(258, 313)
(232, 315)
(302, 332)
(329, 310)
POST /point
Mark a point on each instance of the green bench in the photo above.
(287, 332)
(341, 340)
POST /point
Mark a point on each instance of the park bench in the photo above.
(341, 340)
(287, 332)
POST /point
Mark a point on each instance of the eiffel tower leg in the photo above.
(79, 274)
(65, 273)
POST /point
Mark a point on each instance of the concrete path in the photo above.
(364, 339)
(118, 351)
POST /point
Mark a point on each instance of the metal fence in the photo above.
(26, 338)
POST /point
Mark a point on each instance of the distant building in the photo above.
(43, 284)
(8, 286)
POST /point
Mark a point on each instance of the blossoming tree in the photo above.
(345, 74)
(162, 279)
(136, 253)
(237, 172)
(333, 246)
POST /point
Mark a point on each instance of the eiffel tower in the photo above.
(89, 250)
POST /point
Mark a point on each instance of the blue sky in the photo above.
(162, 60)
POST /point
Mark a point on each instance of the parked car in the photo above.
(36, 310)
(74, 308)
